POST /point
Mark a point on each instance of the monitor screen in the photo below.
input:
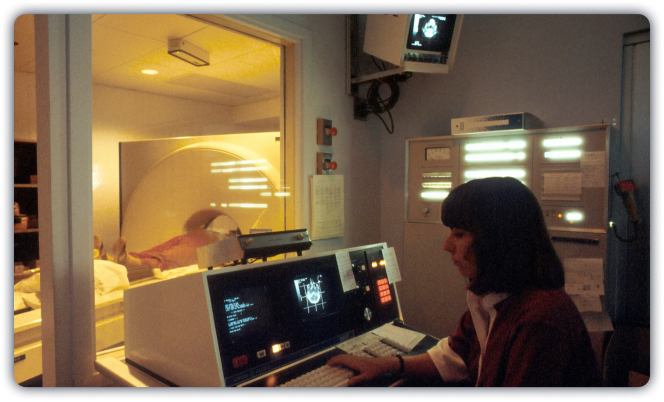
(431, 32)
(313, 296)
(268, 316)
(246, 311)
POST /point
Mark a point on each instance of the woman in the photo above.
(521, 328)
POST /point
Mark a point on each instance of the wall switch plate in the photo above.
(324, 163)
(324, 132)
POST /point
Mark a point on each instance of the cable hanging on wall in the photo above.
(382, 96)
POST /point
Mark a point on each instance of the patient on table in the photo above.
(202, 228)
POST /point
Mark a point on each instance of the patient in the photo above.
(180, 251)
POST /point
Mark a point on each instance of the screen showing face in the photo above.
(431, 32)
(312, 295)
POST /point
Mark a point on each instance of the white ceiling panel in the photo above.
(242, 69)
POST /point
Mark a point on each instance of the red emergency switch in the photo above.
(324, 163)
(325, 131)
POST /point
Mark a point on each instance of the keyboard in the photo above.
(336, 376)
(379, 349)
(324, 376)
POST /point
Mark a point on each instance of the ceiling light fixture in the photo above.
(188, 52)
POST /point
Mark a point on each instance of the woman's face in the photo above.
(459, 245)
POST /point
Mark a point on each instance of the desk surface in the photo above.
(112, 365)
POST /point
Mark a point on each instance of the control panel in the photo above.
(567, 170)
(228, 326)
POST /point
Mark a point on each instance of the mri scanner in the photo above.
(164, 182)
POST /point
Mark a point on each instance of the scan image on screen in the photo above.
(311, 294)
(431, 32)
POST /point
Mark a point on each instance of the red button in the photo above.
(240, 361)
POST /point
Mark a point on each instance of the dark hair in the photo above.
(512, 247)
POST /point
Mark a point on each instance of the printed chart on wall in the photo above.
(584, 282)
(327, 206)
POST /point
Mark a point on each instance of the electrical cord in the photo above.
(389, 130)
(630, 239)
(376, 103)
(378, 66)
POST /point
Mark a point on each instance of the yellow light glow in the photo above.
(496, 157)
(266, 194)
(95, 176)
(249, 187)
(562, 142)
(241, 169)
(558, 155)
(281, 194)
(382, 263)
(248, 180)
(495, 145)
(149, 72)
(374, 264)
(247, 205)
(276, 348)
(235, 163)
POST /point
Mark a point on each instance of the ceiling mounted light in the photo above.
(188, 52)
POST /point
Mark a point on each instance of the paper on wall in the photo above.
(584, 276)
(562, 186)
(584, 282)
(592, 167)
(327, 206)
(587, 302)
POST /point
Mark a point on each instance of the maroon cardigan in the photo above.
(538, 338)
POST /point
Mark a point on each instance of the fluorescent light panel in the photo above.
(558, 155)
(496, 157)
(438, 184)
(434, 195)
(495, 145)
(187, 52)
(562, 142)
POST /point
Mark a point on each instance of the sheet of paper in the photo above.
(402, 336)
(345, 267)
(587, 302)
(391, 265)
(327, 206)
(562, 186)
(584, 276)
(592, 167)
(597, 322)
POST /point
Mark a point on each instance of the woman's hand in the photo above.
(367, 368)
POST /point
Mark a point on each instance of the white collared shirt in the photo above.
(449, 364)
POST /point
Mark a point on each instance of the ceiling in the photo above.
(242, 69)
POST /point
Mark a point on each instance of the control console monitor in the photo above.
(225, 327)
